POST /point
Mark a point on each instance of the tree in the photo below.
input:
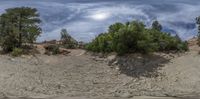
(134, 37)
(18, 26)
(156, 25)
(115, 28)
(64, 35)
(68, 41)
(198, 23)
(178, 38)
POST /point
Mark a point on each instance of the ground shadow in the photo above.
(139, 65)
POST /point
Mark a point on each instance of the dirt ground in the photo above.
(82, 76)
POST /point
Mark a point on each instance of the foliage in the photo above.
(18, 26)
(9, 42)
(115, 28)
(102, 43)
(134, 37)
(68, 41)
(52, 49)
(17, 52)
(198, 23)
(156, 25)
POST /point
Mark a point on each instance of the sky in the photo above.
(85, 19)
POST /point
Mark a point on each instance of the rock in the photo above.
(99, 59)
(101, 55)
(117, 68)
(122, 94)
(61, 86)
(112, 60)
(63, 51)
(29, 88)
(115, 62)
(27, 56)
(3, 95)
(12, 59)
(111, 63)
(112, 57)
(126, 95)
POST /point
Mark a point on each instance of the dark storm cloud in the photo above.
(85, 19)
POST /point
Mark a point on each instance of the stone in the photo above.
(112, 60)
(12, 59)
(126, 95)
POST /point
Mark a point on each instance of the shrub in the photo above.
(52, 49)
(183, 46)
(17, 52)
(8, 44)
(198, 23)
(102, 43)
(70, 45)
(134, 37)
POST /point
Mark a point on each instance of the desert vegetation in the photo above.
(134, 37)
(198, 23)
(60, 47)
(18, 27)
(67, 40)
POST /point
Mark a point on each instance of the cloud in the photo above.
(78, 17)
(182, 21)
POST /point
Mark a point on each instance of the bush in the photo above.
(17, 52)
(133, 37)
(102, 43)
(52, 49)
(183, 46)
(8, 44)
(70, 45)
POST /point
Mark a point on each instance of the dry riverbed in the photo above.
(84, 76)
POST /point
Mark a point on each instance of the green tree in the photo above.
(115, 28)
(102, 43)
(18, 26)
(68, 40)
(64, 35)
(178, 38)
(133, 37)
(156, 25)
(198, 23)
